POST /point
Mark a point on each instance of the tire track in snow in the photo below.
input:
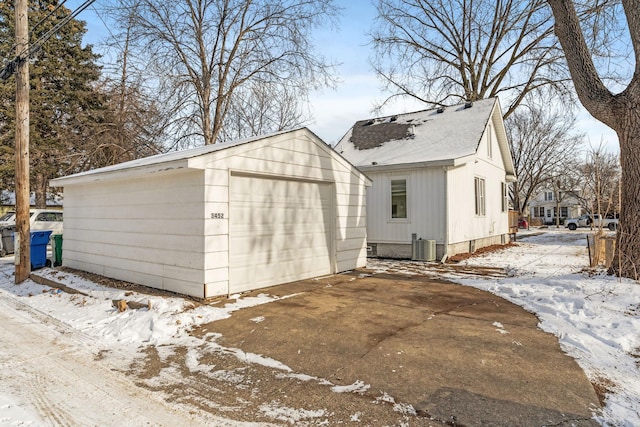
(53, 368)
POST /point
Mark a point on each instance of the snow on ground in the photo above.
(164, 320)
(596, 318)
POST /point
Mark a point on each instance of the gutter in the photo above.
(459, 161)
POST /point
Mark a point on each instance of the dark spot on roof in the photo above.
(365, 137)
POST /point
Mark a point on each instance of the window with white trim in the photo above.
(399, 198)
(505, 197)
(480, 196)
(489, 143)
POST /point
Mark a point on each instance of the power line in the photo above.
(11, 67)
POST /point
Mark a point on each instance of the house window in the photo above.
(541, 212)
(505, 197)
(480, 202)
(398, 198)
(564, 212)
(489, 143)
(548, 196)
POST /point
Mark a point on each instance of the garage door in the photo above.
(279, 231)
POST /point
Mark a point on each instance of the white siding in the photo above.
(147, 230)
(169, 229)
(464, 224)
(425, 201)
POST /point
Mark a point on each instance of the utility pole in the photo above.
(23, 252)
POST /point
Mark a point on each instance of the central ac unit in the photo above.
(423, 250)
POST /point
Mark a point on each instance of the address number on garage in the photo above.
(217, 215)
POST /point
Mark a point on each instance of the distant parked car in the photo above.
(40, 219)
(593, 221)
(522, 223)
(8, 219)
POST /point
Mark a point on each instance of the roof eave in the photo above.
(398, 166)
(120, 173)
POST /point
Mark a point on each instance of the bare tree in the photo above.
(563, 185)
(444, 51)
(262, 108)
(131, 123)
(599, 180)
(619, 111)
(205, 52)
(542, 142)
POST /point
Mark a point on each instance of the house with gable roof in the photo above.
(439, 175)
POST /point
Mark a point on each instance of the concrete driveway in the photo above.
(458, 355)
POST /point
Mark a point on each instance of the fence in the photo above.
(514, 217)
(601, 249)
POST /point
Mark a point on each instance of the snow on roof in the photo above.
(422, 136)
(174, 155)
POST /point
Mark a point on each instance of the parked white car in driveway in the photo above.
(40, 219)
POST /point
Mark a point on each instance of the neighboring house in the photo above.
(219, 219)
(8, 201)
(440, 174)
(547, 205)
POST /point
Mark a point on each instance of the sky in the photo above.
(358, 90)
(596, 319)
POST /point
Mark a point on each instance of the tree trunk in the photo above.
(41, 191)
(626, 262)
(621, 112)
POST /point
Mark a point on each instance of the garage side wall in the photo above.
(146, 230)
(293, 156)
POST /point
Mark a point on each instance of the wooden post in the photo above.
(23, 252)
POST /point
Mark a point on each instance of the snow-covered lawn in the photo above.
(596, 319)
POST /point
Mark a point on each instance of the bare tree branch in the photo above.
(486, 48)
(210, 51)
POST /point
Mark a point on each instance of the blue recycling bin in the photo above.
(39, 242)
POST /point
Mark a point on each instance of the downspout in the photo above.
(446, 214)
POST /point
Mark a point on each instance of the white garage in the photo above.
(219, 219)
